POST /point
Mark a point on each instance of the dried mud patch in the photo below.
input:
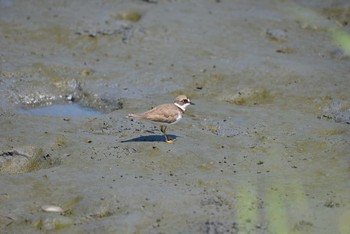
(250, 96)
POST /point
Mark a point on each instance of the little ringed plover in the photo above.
(166, 114)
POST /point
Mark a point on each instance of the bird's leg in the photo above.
(167, 139)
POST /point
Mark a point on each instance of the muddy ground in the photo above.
(264, 150)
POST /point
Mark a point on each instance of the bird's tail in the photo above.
(133, 116)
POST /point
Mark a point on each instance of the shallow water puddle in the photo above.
(64, 110)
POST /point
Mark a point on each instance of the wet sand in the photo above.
(264, 150)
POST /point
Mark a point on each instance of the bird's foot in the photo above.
(169, 141)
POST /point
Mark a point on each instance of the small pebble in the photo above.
(51, 208)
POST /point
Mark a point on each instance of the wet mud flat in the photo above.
(264, 150)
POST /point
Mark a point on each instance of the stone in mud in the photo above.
(277, 35)
(338, 111)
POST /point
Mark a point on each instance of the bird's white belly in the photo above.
(178, 118)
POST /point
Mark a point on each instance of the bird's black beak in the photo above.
(191, 103)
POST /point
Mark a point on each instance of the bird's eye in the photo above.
(185, 101)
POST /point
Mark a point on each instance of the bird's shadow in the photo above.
(149, 138)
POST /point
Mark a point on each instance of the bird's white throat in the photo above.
(183, 107)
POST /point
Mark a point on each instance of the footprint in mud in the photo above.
(25, 159)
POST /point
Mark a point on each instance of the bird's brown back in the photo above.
(163, 113)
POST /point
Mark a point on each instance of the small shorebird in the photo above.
(166, 114)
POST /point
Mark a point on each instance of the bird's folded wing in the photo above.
(164, 113)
